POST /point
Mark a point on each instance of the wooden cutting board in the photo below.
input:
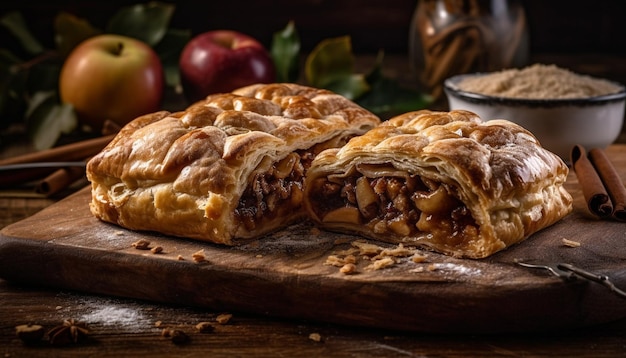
(285, 275)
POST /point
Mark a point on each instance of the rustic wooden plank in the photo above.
(125, 327)
(284, 274)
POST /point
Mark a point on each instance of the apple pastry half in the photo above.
(229, 167)
(443, 180)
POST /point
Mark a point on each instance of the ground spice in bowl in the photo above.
(538, 81)
(559, 107)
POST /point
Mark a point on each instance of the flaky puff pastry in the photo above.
(444, 180)
(229, 167)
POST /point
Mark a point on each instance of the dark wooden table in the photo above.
(122, 327)
(127, 327)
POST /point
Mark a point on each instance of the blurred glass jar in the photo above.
(450, 37)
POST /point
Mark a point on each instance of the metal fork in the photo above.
(570, 272)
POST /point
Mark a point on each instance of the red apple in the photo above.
(112, 77)
(221, 61)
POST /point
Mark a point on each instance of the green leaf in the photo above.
(387, 98)
(285, 50)
(169, 50)
(14, 22)
(70, 31)
(12, 88)
(172, 44)
(352, 86)
(376, 73)
(330, 61)
(47, 119)
(146, 22)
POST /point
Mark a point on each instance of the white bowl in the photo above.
(558, 124)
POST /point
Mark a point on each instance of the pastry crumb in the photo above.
(334, 260)
(315, 231)
(570, 243)
(417, 258)
(198, 256)
(381, 264)
(141, 244)
(223, 318)
(157, 249)
(399, 251)
(180, 257)
(315, 337)
(380, 257)
(205, 327)
(348, 269)
(367, 249)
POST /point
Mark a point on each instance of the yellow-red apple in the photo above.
(221, 61)
(112, 77)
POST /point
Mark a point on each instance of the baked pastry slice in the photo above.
(227, 168)
(444, 180)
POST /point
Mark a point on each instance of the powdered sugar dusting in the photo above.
(456, 268)
(111, 314)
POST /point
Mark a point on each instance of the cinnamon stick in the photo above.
(73, 151)
(594, 191)
(14, 177)
(59, 180)
(612, 182)
(69, 152)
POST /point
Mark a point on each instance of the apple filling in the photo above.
(279, 189)
(390, 203)
(275, 191)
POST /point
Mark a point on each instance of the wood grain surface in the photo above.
(129, 328)
(284, 275)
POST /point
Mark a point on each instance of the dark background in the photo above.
(562, 26)
(592, 31)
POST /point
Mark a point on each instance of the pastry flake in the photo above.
(228, 168)
(444, 180)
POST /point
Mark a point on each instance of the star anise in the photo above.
(68, 332)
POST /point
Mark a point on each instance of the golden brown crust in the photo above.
(496, 169)
(184, 173)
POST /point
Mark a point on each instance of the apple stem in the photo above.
(118, 50)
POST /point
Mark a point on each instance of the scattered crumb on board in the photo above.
(141, 244)
(198, 256)
(223, 318)
(315, 337)
(570, 243)
(380, 257)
